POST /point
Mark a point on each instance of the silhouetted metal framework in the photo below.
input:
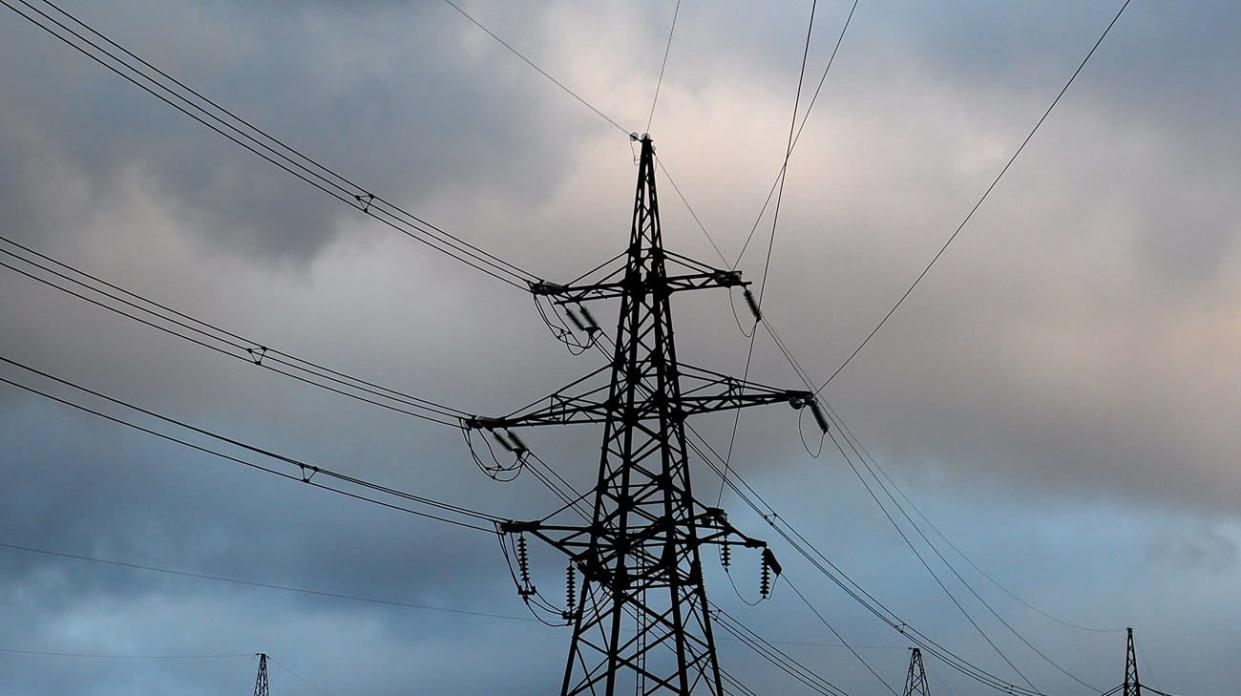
(915, 680)
(641, 622)
(1132, 687)
(260, 682)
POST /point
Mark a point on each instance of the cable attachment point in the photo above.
(800, 400)
(257, 355)
(365, 202)
(307, 476)
(554, 316)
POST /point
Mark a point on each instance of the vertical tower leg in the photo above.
(642, 621)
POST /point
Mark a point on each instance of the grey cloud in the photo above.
(1056, 394)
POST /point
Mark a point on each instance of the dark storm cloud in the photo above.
(369, 71)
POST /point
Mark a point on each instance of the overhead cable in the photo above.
(305, 472)
(74, 281)
(762, 289)
(970, 215)
(778, 182)
(207, 112)
(534, 65)
(676, 12)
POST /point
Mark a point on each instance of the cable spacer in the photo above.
(257, 355)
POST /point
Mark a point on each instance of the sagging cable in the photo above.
(497, 470)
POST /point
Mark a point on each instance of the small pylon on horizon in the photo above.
(1132, 686)
(260, 682)
(915, 678)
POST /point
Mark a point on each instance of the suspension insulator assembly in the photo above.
(523, 568)
(753, 305)
(519, 447)
(574, 320)
(726, 556)
(817, 411)
(770, 566)
(495, 434)
(570, 592)
(764, 581)
(592, 326)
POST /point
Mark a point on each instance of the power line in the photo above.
(242, 132)
(317, 593)
(831, 60)
(1149, 668)
(216, 338)
(261, 585)
(115, 656)
(684, 201)
(203, 576)
(952, 237)
(849, 434)
(901, 300)
(662, 66)
(823, 620)
(796, 540)
(269, 355)
(832, 416)
(868, 460)
(870, 464)
(779, 658)
(155, 433)
(306, 473)
(762, 288)
(254, 353)
(534, 65)
(297, 676)
(950, 567)
(122, 656)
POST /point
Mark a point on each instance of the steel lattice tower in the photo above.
(642, 622)
(1132, 686)
(260, 682)
(915, 680)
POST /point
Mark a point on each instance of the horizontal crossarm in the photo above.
(572, 294)
(575, 540)
(703, 392)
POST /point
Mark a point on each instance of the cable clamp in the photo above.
(365, 201)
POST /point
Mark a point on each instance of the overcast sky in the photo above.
(1059, 395)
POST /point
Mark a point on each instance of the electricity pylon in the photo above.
(1132, 686)
(641, 621)
(915, 680)
(260, 682)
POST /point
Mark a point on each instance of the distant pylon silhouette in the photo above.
(915, 679)
(260, 682)
(1132, 687)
